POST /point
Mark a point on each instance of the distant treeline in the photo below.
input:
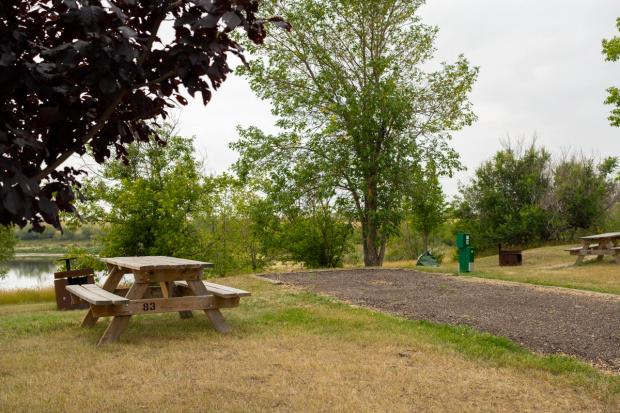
(522, 196)
(82, 232)
(161, 203)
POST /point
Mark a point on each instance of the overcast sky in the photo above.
(541, 73)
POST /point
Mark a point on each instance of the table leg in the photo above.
(168, 289)
(215, 316)
(119, 323)
(602, 244)
(585, 245)
(114, 278)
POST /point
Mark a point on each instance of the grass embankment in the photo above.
(289, 351)
(27, 296)
(51, 246)
(542, 266)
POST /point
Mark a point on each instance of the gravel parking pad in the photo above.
(544, 319)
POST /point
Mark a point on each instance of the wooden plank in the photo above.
(215, 291)
(144, 263)
(587, 251)
(119, 323)
(608, 235)
(231, 302)
(215, 316)
(165, 289)
(115, 274)
(218, 290)
(168, 290)
(73, 273)
(599, 252)
(176, 292)
(87, 295)
(236, 291)
(164, 275)
(157, 305)
(574, 249)
(116, 299)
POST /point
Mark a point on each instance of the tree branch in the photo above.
(105, 116)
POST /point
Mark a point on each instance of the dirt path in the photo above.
(547, 320)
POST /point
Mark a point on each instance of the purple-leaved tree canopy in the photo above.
(90, 72)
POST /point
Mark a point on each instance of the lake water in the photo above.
(38, 272)
(29, 273)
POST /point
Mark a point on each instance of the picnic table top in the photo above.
(146, 263)
(602, 236)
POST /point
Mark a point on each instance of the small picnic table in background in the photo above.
(599, 245)
(180, 289)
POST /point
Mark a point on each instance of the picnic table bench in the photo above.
(179, 288)
(599, 245)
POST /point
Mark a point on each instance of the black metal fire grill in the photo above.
(509, 258)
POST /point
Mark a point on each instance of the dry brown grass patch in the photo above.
(289, 351)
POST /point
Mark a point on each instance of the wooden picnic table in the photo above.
(161, 284)
(599, 245)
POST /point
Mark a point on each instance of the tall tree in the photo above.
(611, 50)
(149, 202)
(357, 107)
(505, 200)
(308, 225)
(93, 72)
(584, 192)
(426, 202)
(226, 225)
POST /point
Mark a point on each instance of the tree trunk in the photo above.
(374, 244)
(253, 256)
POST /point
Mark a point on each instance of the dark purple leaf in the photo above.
(181, 99)
(231, 19)
(208, 22)
(7, 59)
(64, 63)
(279, 22)
(49, 115)
(11, 201)
(128, 32)
(72, 4)
(48, 208)
(206, 5)
(108, 85)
